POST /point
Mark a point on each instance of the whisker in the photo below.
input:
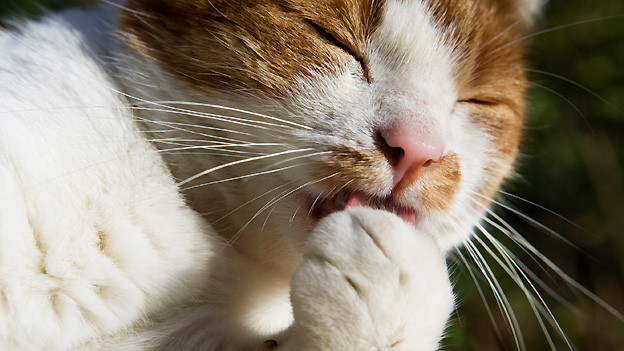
(236, 110)
(199, 126)
(512, 271)
(542, 208)
(299, 157)
(568, 101)
(560, 77)
(248, 202)
(528, 271)
(499, 34)
(501, 299)
(173, 128)
(221, 146)
(531, 220)
(518, 238)
(216, 168)
(552, 29)
(279, 197)
(577, 84)
(469, 267)
(221, 118)
(239, 177)
(569, 279)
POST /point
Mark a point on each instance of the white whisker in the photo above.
(279, 197)
(552, 29)
(233, 120)
(530, 220)
(221, 107)
(221, 146)
(512, 271)
(501, 299)
(520, 240)
(239, 177)
(481, 294)
(542, 208)
(216, 168)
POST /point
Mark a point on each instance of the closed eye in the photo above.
(476, 102)
(336, 42)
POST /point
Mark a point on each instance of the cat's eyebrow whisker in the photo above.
(560, 77)
(216, 168)
(568, 101)
(513, 270)
(125, 8)
(233, 109)
(577, 84)
(499, 34)
(501, 299)
(552, 29)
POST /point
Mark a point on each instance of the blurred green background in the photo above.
(572, 164)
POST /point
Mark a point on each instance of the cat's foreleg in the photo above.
(369, 281)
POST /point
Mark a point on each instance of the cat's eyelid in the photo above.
(476, 101)
(340, 44)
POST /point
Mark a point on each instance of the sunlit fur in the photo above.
(161, 163)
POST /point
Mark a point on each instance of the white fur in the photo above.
(414, 87)
(381, 294)
(99, 250)
(93, 232)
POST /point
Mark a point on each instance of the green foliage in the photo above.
(31, 8)
(572, 163)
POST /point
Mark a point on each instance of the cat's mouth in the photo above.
(350, 198)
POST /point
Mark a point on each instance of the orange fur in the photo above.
(264, 45)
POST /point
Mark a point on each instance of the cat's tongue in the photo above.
(357, 198)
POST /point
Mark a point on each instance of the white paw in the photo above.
(370, 281)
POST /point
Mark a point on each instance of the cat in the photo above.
(250, 175)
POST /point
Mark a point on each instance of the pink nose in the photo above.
(417, 152)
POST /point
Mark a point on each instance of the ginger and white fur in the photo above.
(100, 249)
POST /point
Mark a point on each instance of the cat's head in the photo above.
(415, 106)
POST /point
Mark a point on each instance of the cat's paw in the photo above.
(370, 281)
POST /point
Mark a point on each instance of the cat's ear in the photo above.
(526, 12)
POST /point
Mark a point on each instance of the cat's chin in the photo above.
(350, 198)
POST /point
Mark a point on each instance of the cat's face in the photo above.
(414, 106)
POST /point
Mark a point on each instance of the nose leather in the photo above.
(417, 151)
